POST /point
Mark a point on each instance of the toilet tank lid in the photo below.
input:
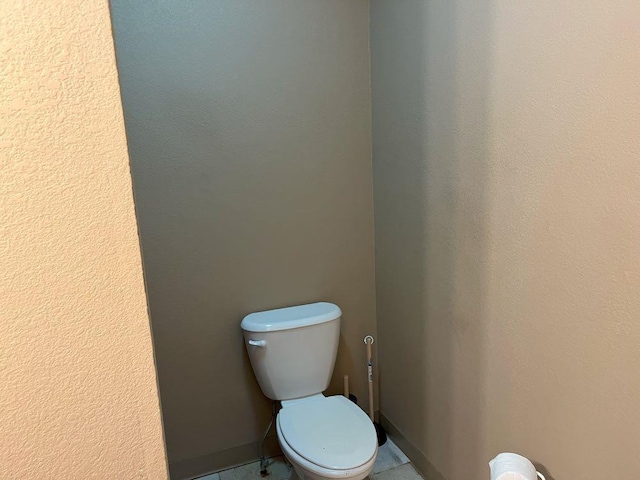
(291, 317)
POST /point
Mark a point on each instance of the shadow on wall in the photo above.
(430, 84)
(543, 470)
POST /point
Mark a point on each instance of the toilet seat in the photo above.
(328, 432)
(309, 471)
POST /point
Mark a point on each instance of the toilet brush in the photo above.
(381, 434)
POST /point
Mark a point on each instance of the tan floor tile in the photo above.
(403, 472)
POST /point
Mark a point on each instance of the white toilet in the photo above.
(293, 351)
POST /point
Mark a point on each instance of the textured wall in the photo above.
(78, 391)
(249, 132)
(507, 196)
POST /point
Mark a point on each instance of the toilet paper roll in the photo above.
(511, 466)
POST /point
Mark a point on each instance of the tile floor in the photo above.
(391, 464)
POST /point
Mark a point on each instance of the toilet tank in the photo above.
(293, 350)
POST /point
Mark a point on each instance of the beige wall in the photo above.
(507, 195)
(249, 132)
(77, 382)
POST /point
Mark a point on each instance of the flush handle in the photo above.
(258, 343)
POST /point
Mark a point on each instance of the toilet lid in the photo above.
(331, 432)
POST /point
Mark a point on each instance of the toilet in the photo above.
(293, 352)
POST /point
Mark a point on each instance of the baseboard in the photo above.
(418, 459)
(214, 462)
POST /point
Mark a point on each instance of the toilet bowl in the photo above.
(327, 437)
(292, 352)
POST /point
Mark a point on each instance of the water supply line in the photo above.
(264, 463)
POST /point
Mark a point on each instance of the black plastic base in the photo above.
(382, 435)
